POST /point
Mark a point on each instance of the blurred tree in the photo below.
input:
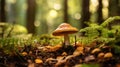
(19, 11)
(85, 15)
(31, 10)
(10, 7)
(99, 11)
(2, 11)
(114, 7)
(74, 12)
(66, 11)
(42, 12)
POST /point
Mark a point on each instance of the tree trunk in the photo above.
(20, 12)
(85, 13)
(119, 7)
(99, 11)
(2, 11)
(31, 16)
(114, 7)
(65, 11)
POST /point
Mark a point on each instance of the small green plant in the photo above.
(47, 39)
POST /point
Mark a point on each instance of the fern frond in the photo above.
(109, 20)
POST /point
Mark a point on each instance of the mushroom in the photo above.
(78, 51)
(101, 55)
(96, 50)
(63, 30)
(24, 53)
(108, 55)
(38, 60)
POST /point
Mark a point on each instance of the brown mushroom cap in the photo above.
(38, 60)
(108, 55)
(64, 28)
(96, 50)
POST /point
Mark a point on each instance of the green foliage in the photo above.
(88, 30)
(117, 49)
(11, 45)
(8, 44)
(17, 29)
(9, 30)
(92, 33)
(109, 20)
(47, 39)
(90, 65)
(100, 33)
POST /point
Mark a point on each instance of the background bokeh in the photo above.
(43, 16)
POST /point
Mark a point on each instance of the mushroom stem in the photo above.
(66, 40)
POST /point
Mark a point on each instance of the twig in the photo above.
(11, 29)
